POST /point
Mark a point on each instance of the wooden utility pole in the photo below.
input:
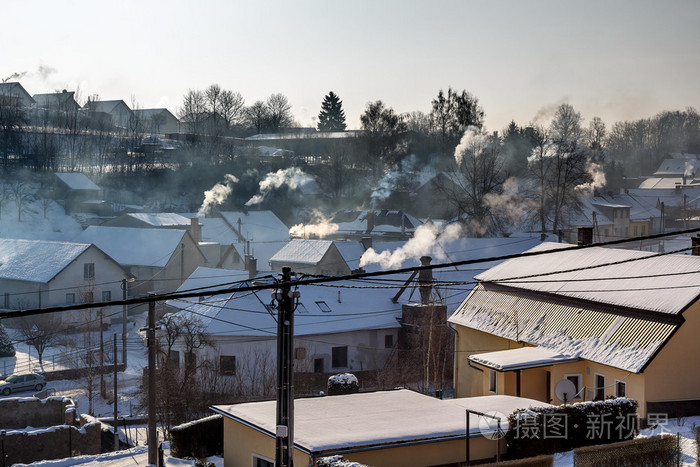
(284, 441)
(116, 407)
(152, 435)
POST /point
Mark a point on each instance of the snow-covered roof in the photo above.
(36, 260)
(303, 251)
(150, 113)
(322, 310)
(385, 222)
(258, 226)
(203, 278)
(641, 280)
(305, 135)
(135, 247)
(106, 106)
(519, 359)
(396, 417)
(160, 219)
(77, 181)
(677, 167)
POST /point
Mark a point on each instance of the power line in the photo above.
(175, 295)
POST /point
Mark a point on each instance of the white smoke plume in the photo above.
(406, 171)
(689, 170)
(508, 208)
(473, 140)
(424, 242)
(320, 227)
(293, 177)
(597, 174)
(217, 194)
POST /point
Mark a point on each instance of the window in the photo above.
(6, 300)
(318, 365)
(190, 361)
(388, 341)
(227, 365)
(323, 306)
(634, 230)
(576, 379)
(106, 295)
(300, 353)
(339, 357)
(492, 380)
(262, 461)
(599, 387)
(89, 271)
(620, 389)
(70, 298)
(174, 358)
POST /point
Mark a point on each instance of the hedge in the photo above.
(546, 430)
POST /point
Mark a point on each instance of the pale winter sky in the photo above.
(619, 60)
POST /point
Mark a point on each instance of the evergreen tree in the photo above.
(6, 347)
(332, 115)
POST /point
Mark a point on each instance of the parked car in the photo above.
(23, 382)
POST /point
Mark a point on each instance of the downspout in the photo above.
(455, 371)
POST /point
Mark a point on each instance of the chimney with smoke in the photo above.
(425, 279)
(195, 231)
(370, 221)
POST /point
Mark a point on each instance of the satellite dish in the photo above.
(565, 390)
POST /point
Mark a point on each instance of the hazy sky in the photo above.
(619, 60)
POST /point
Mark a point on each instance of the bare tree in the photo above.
(193, 111)
(39, 332)
(231, 105)
(23, 198)
(13, 118)
(257, 117)
(279, 112)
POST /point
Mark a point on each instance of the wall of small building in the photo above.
(587, 369)
(468, 381)
(640, 228)
(673, 374)
(419, 455)
(180, 266)
(242, 442)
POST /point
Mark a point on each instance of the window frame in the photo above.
(224, 369)
(388, 341)
(619, 383)
(106, 295)
(578, 384)
(88, 271)
(596, 388)
(334, 357)
(268, 462)
(493, 381)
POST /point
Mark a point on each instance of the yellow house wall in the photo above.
(675, 372)
(588, 369)
(642, 229)
(468, 381)
(438, 453)
(241, 442)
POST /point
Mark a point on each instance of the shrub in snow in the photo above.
(7, 349)
(336, 461)
(546, 430)
(342, 383)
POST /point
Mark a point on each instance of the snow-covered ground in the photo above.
(36, 224)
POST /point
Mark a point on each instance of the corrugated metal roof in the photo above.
(596, 333)
(640, 280)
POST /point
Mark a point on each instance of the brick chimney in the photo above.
(195, 230)
(425, 279)
(251, 265)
